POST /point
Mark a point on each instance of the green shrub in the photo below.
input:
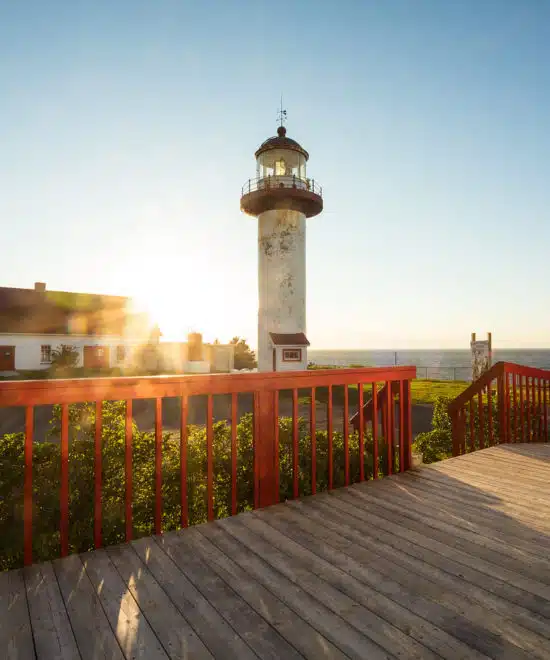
(46, 477)
(437, 444)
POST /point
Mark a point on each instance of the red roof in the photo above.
(289, 339)
(51, 312)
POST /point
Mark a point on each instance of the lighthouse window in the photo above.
(292, 355)
(280, 167)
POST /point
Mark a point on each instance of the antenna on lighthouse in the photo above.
(281, 114)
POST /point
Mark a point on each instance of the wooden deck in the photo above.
(450, 561)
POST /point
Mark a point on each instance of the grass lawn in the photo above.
(423, 391)
(426, 391)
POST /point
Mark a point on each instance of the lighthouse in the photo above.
(282, 197)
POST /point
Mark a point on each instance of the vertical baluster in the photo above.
(255, 447)
(64, 489)
(209, 458)
(501, 410)
(277, 448)
(535, 411)
(329, 437)
(521, 409)
(514, 395)
(539, 411)
(27, 488)
(346, 436)
(401, 427)
(295, 447)
(361, 433)
(389, 405)
(98, 541)
(233, 453)
(490, 412)
(158, 465)
(183, 462)
(472, 438)
(462, 427)
(508, 414)
(545, 386)
(455, 432)
(528, 407)
(374, 431)
(481, 420)
(408, 427)
(128, 430)
(313, 434)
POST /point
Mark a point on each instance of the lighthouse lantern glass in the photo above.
(281, 163)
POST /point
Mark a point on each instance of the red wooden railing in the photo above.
(265, 389)
(509, 403)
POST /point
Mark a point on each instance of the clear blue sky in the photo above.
(127, 129)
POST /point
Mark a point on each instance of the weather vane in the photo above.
(281, 114)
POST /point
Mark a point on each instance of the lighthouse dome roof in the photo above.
(281, 141)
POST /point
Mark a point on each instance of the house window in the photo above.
(292, 355)
(120, 353)
(45, 354)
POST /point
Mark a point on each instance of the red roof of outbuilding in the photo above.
(289, 339)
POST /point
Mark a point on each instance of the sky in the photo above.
(127, 129)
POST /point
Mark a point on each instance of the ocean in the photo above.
(434, 364)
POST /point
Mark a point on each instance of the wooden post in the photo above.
(266, 449)
(455, 425)
(407, 425)
(490, 342)
(501, 391)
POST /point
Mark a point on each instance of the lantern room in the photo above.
(281, 157)
(281, 179)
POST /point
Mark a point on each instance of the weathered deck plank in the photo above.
(52, 632)
(447, 561)
(132, 630)
(316, 584)
(450, 603)
(211, 627)
(318, 615)
(177, 637)
(258, 633)
(291, 626)
(93, 634)
(15, 625)
(364, 586)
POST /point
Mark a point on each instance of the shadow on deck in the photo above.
(449, 560)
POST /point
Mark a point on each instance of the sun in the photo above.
(178, 312)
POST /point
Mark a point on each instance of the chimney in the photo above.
(40, 286)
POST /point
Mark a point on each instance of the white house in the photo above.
(103, 330)
(34, 322)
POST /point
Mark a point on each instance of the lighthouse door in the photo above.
(274, 359)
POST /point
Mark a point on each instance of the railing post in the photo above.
(502, 421)
(455, 426)
(265, 448)
(407, 425)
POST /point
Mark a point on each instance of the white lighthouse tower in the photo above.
(282, 197)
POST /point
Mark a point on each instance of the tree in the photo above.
(64, 358)
(245, 358)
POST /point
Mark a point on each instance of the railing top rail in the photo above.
(284, 180)
(498, 369)
(521, 370)
(477, 386)
(49, 392)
